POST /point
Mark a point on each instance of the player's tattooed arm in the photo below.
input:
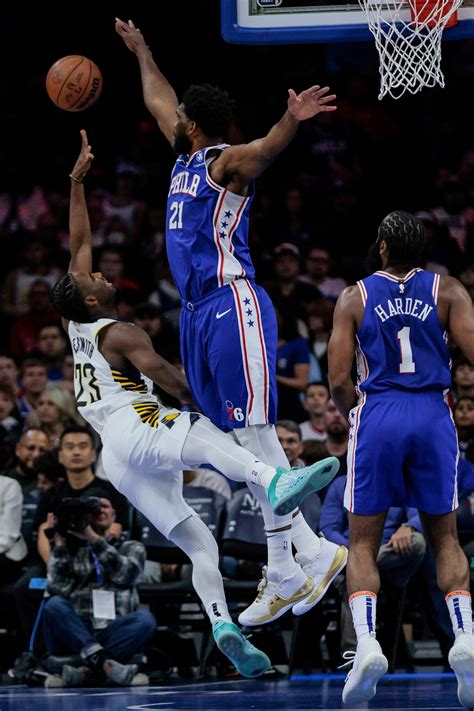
(341, 350)
(160, 97)
(125, 340)
(80, 237)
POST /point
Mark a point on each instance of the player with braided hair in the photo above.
(403, 446)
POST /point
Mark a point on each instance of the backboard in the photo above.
(308, 21)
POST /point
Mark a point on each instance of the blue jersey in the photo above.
(401, 345)
(206, 228)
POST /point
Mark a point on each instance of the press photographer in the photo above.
(93, 610)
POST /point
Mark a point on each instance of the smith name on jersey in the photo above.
(206, 228)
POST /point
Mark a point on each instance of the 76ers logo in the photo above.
(233, 413)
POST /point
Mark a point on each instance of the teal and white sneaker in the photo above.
(247, 659)
(289, 487)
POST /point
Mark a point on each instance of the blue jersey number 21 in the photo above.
(176, 217)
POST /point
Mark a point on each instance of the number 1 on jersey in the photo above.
(407, 364)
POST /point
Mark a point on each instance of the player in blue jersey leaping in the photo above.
(228, 325)
(403, 447)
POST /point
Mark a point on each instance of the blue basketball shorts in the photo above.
(403, 450)
(228, 347)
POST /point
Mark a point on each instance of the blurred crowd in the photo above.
(312, 222)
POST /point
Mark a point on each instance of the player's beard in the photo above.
(182, 144)
(373, 260)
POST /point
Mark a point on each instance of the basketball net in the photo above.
(408, 39)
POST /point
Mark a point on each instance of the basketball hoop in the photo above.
(408, 39)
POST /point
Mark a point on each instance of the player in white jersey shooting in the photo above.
(146, 446)
(228, 328)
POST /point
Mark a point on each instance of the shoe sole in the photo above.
(369, 672)
(461, 659)
(249, 663)
(324, 472)
(339, 562)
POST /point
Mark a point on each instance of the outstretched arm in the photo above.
(79, 227)
(159, 95)
(124, 340)
(341, 351)
(238, 165)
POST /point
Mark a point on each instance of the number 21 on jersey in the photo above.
(176, 216)
(407, 364)
(88, 391)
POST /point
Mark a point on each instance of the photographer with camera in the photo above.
(93, 611)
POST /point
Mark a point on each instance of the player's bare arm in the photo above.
(238, 165)
(341, 349)
(460, 315)
(160, 97)
(80, 238)
(126, 341)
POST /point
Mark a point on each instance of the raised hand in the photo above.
(83, 163)
(310, 102)
(130, 34)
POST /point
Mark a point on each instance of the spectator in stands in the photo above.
(287, 291)
(292, 369)
(25, 331)
(77, 455)
(123, 204)
(318, 266)
(34, 379)
(112, 266)
(316, 396)
(52, 345)
(32, 443)
(289, 436)
(9, 372)
(320, 314)
(48, 471)
(293, 225)
(464, 420)
(402, 550)
(67, 373)
(13, 548)
(54, 413)
(163, 336)
(94, 608)
(335, 444)
(463, 378)
(10, 426)
(18, 290)
(165, 294)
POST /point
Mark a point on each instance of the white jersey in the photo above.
(101, 389)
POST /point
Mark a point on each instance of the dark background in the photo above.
(39, 142)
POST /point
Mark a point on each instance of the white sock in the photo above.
(280, 557)
(304, 539)
(363, 606)
(460, 610)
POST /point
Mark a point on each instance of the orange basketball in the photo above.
(74, 83)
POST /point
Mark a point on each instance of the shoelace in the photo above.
(349, 654)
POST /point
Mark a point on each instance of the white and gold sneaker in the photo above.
(329, 562)
(275, 596)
